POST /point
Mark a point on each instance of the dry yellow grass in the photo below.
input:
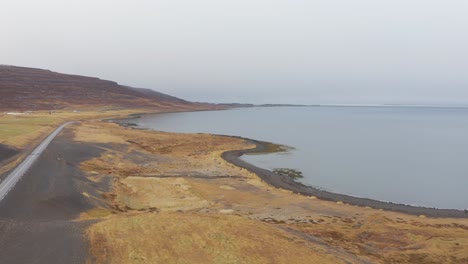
(156, 171)
(18, 131)
(93, 133)
(395, 240)
(22, 130)
(96, 213)
(195, 238)
(173, 194)
(177, 154)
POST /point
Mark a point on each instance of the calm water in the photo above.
(415, 156)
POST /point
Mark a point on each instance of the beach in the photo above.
(285, 182)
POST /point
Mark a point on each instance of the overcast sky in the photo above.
(262, 51)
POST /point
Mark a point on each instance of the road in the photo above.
(38, 217)
(10, 181)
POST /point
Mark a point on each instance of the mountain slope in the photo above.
(36, 89)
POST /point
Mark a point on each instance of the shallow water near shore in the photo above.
(416, 156)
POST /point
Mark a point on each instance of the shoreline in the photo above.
(180, 182)
(287, 183)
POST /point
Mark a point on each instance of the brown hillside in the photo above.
(35, 89)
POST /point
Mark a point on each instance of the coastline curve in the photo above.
(287, 183)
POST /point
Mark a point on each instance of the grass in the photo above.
(170, 194)
(97, 212)
(22, 130)
(25, 131)
(194, 238)
(193, 225)
(18, 130)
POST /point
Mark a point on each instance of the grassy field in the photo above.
(197, 238)
(175, 200)
(26, 130)
(18, 130)
(23, 130)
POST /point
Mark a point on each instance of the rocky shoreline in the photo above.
(288, 183)
(285, 182)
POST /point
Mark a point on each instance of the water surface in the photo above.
(416, 156)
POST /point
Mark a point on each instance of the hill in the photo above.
(36, 89)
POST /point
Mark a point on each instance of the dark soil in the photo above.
(36, 89)
(36, 217)
(6, 152)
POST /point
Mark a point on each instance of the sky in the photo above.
(254, 51)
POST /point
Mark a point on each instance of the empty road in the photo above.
(10, 181)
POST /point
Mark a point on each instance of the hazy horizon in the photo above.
(257, 51)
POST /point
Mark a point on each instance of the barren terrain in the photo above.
(37, 216)
(103, 193)
(174, 199)
(30, 89)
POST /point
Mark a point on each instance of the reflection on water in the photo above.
(415, 156)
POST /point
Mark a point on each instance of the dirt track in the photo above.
(36, 218)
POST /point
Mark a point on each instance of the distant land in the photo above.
(393, 105)
(29, 89)
(181, 197)
(260, 105)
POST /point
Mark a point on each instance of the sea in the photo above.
(411, 155)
